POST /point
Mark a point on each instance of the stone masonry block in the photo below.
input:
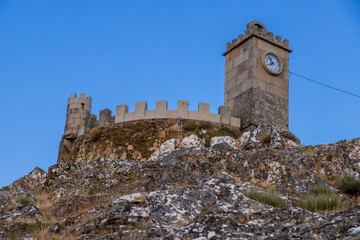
(121, 110)
(259, 84)
(241, 58)
(182, 109)
(161, 108)
(277, 91)
(234, 92)
(140, 108)
(246, 85)
(242, 77)
(230, 84)
(229, 66)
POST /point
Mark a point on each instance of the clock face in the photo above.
(272, 63)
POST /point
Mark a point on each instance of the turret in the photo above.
(78, 110)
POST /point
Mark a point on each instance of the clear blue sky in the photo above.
(121, 52)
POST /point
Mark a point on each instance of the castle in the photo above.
(256, 91)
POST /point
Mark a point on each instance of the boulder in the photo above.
(192, 141)
(224, 143)
(276, 137)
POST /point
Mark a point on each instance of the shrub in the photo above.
(347, 183)
(24, 199)
(320, 189)
(225, 131)
(329, 157)
(205, 125)
(95, 134)
(267, 198)
(190, 126)
(322, 202)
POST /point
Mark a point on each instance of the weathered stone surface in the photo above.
(270, 136)
(254, 106)
(225, 143)
(167, 146)
(188, 192)
(192, 141)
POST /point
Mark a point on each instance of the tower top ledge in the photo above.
(256, 28)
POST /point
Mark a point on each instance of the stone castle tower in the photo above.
(78, 111)
(257, 77)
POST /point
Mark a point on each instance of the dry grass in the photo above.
(95, 134)
(267, 198)
(265, 138)
(320, 199)
(310, 152)
(348, 183)
(179, 186)
(45, 205)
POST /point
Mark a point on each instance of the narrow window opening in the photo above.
(259, 27)
(82, 105)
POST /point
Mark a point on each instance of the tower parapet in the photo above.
(78, 110)
(256, 28)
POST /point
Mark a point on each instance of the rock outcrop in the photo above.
(190, 188)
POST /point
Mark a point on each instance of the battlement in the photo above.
(79, 102)
(162, 112)
(256, 28)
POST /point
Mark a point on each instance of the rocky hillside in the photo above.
(255, 185)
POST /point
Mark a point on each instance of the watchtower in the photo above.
(257, 77)
(78, 110)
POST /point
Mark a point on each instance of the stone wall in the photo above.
(162, 112)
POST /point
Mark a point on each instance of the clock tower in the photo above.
(257, 78)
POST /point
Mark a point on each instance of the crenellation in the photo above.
(204, 107)
(79, 126)
(256, 28)
(140, 108)
(161, 108)
(182, 109)
(286, 42)
(105, 118)
(278, 38)
(121, 110)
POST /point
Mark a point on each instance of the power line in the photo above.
(325, 85)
